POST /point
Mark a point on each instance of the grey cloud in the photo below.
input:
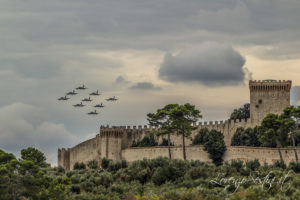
(208, 64)
(145, 86)
(153, 24)
(295, 95)
(121, 80)
(22, 126)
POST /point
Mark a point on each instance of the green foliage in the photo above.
(274, 131)
(253, 164)
(241, 113)
(24, 179)
(199, 137)
(279, 164)
(79, 166)
(147, 141)
(34, 155)
(215, 146)
(245, 137)
(105, 163)
(164, 142)
(93, 164)
(295, 166)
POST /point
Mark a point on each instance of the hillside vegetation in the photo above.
(31, 178)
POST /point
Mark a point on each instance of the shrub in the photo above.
(295, 166)
(237, 164)
(105, 163)
(60, 169)
(253, 164)
(114, 166)
(105, 179)
(79, 165)
(164, 142)
(147, 141)
(93, 164)
(124, 164)
(197, 172)
(279, 164)
(75, 189)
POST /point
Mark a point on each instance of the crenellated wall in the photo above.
(267, 96)
(111, 141)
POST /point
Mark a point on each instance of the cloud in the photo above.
(22, 126)
(208, 64)
(144, 86)
(121, 80)
(295, 95)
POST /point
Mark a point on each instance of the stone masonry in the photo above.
(267, 96)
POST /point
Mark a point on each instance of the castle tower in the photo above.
(268, 96)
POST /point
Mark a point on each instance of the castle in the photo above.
(267, 96)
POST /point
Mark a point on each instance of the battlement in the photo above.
(211, 124)
(267, 85)
(124, 128)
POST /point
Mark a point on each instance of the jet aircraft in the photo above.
(71, 93)
(79, 105)
(93, 113)
(87, 99)
(112, 99)
(99, 106)
(65, 98)
(95, 93)
(81, 88)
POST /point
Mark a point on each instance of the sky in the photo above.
(146, 53)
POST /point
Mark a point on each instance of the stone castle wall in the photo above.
(264, 155)
(266, 96)
(111, 141)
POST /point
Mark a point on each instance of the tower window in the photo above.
(257, 106)
(260, 101)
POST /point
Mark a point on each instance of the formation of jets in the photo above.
(83, 87)
(79, 105)
(65, 98)
(93, 113)
(71, 93)
(95, 93)
(99, 106)
(87, 99)
(112, 99)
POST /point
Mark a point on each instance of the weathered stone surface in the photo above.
(266, 96)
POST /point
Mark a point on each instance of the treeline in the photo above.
(30, 177)
(275, 131)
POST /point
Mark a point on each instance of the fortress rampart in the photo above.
(115, 142)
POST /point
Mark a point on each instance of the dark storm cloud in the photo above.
(208, 64)
(295, 95)
(144, 86)
(146, 24)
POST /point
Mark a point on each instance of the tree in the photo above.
(35, 156)
(274, 131)
(148, 140)
(199, 137)
(241, 113)
(161, 119)
(245, 137)
(214, 144)
(182, 117)
(79, 166)
(93, 164)
(292, 113)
